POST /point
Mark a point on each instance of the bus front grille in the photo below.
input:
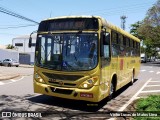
(62, 77)
(61, 91)
(67, 84)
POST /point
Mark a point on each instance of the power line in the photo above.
(4, 10)
(9, 34)
(20, 26)
(119, 8)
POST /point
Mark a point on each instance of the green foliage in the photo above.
(150, 103)
(9, 46)
(150, 26)
(145, 105)
(134, 30)
(148, 30)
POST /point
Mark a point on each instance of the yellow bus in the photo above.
(83, 58)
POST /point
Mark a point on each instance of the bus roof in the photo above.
(104, 23)
(82, 16)
(117, 29)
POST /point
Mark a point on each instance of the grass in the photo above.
(148, 105)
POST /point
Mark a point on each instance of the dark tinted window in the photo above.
(69, 24)
(18, 44)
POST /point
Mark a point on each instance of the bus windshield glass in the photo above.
(67, 52)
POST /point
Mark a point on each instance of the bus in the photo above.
(83, 58)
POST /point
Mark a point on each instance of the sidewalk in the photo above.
(6, 76)
(26, 66)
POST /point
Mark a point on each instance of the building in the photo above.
(8, 54)
(21, 44)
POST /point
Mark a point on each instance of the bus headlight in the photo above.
(88, 83)
(38, 78)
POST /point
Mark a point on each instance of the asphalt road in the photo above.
(17, 95)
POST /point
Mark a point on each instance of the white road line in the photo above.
(1, 83)
(12, 81)
(134, 97)
(152, 85)
(158, 73)
(141, 97)
(154, 81)
(150, 91)
(151, 71)
(143, 70)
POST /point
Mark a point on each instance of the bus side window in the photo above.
(105, 48)
(115, 46)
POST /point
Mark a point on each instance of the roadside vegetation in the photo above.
(150, 106)
(148, 30)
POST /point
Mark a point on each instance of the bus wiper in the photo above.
(75, 57)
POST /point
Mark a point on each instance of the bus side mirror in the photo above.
(30, 39)
(30, 42)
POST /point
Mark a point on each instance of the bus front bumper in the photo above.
(91, 94)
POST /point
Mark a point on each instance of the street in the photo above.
(17, 95)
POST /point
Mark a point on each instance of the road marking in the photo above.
(154, 81)
(158, 73)
(1, 83)
(12, 81)
(152, 85)
(143, 70)
(134, 97)
(151, 71)
(150, 91)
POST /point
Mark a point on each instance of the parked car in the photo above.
(0, 63)
(143, 58)
(10, 62)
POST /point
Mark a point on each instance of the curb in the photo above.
(26, 66)
(8, 77)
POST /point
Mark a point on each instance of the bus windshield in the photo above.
(67, 52)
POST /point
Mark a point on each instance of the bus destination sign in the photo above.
(69, 24)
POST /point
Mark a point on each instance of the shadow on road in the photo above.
(157, 64)
(66, 103)
(106, 104)
(58, 107)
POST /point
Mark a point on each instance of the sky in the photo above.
(37, 10)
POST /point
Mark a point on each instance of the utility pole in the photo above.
(123, 21)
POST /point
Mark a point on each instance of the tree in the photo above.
(134, 30)
(150, 26)
(9, 46)
(148, 30)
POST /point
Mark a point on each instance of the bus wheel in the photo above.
(111, 92)
(132, 79)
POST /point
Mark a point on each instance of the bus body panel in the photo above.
(121, 66)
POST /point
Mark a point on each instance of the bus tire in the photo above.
(111, 91)
(132, 78)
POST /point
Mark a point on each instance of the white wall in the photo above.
(10, 54)
(25, 49)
